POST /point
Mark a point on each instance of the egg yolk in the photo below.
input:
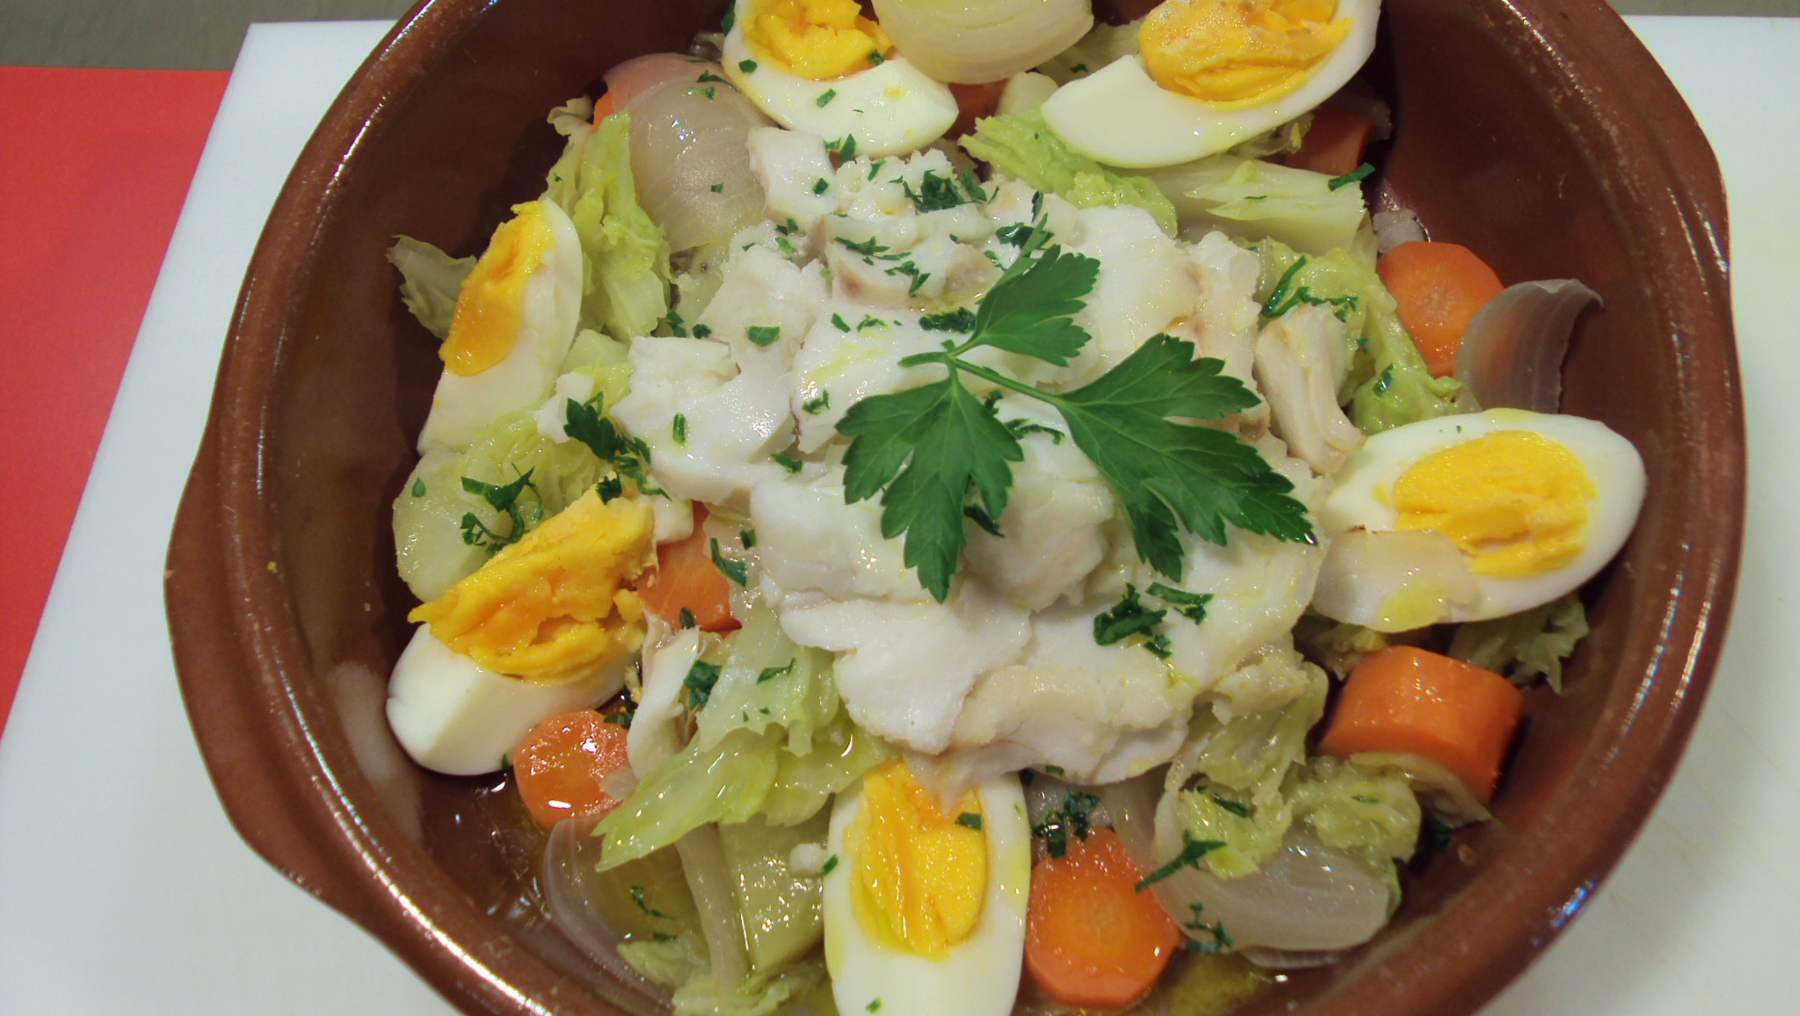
(817, 39)
(920, 872)
(553, 606)
(490, 311)
(1239, 53)
(1515, 501)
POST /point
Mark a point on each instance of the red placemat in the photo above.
(94, 166)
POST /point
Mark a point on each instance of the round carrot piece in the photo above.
(562, 764)
(1440, 287)
(685, 578)
(1407, 700)
(1093, 939)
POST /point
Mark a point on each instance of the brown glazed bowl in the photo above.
(1536, 131)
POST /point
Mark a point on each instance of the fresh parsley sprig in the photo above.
(923, 450)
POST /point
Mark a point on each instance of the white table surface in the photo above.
(124, 889)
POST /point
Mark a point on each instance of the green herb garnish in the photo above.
(700, 680)
(969, 820)
(1189, 605)
(1357, 175)
(733, 570)
(763, 335)
(679, 429)
(1192, 851)
(825, 98)
(961, 320)
(771, 673)
(820, 403)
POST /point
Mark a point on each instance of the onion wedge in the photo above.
(1512, 354)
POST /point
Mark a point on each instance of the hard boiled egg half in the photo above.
(515, 320)
(1465, 518)
(925, 905)
(1211, 74)
(819, 66)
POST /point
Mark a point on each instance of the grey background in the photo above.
(207, 33)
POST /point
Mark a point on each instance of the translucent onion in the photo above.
(688, 155)
(1512, 355)
(626, 82)
(977, 41)
(569, 858)
(709, 880)
(1393, 581)
(1306, 899)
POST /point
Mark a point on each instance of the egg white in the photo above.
(980, 976)
(1120, 116)
(890, 108)
(1362, 496)
(454, 716)
(462, 407)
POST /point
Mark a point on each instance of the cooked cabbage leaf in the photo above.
(1023, 146)
(1387, 383)
(625, 289)
(430, 282)
(1373, 817)
(1335, 645)
(1254, 200)
(680, 962)
(1527, 645)
(772, 739)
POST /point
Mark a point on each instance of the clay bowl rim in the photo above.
(304, 806)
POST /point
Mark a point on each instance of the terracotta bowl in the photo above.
(1537, 131)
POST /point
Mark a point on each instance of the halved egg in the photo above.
(819, 66)
(1211, 74)
(1465, 518)
(925, 905)
(515, 321)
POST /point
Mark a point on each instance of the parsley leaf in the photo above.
(921, 449)
(825, 98)
(1196, 927)
(733, 570)
(1189, 605)
(969, 820)
(700, 680)
(771, 673)
(502, 498)
(818, 404)
(418, 488)
(1357, 175)
(747, 66)
(1126, 618)
(763, 335)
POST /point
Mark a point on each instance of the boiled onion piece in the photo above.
(688, 145)
(1281, 959)
(570, 857)
(626, 82)
(1512, 355)
(709, 880)
(1393, 581)
(1396, 228)
(1440, 790)
(977, 41)
(1307, 898)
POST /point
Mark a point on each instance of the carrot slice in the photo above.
(604, 107)
(974, 102)
(686, 578)
(1092, 939)
(563, 763)
(1336, 142)
(1440, 288)
(1405, 699)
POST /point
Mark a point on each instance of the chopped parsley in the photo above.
(1126, 618)
(763, 335)
(844, 148)
(962, 319)
(871, 249)
(706, 76)
(505, 498)
(1385, 381)
(1072, 816)
(969, 820)
(747, 66)
(702, 331)
(700, 680)
(869, 322)
(1022, 427)
(709, 91)
(717, 188)
(818, 404)
(1217, 940)
(621, 718)
(747, 537)
(1192, 851)
(787, 462)
(830, 863)
(1357, 175)
(629, 456)
(637, 897)
(876, 58)
(771, 673)
(937, 192)
(687, 618)
(875, 167)
(1016, 235)
(418, 488)
(910, 269)
(975, 514)
(1286, 297)
(821, 185)
(1189, 605)
(733, 570)
(679, 429)
(1238, 808)
(838, 321)
(825, 98)
(609, 488)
